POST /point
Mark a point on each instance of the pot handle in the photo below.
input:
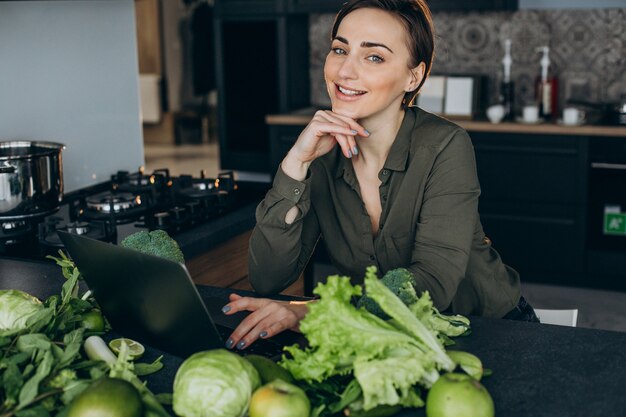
(7, 169)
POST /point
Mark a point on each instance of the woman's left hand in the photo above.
(267, 318)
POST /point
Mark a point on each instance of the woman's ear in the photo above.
(417, 75)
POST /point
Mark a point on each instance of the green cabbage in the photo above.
(16, 307)
(214, 383)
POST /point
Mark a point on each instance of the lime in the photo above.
(93, 321)
(135, 349)
(107, 397)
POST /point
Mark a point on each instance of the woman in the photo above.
(383, 183)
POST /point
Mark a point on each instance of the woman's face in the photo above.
(367, 68)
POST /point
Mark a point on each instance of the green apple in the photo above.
(458, 395)
(279, 399)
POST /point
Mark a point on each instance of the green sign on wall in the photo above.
(615, 223)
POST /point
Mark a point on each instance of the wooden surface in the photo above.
(227, 267)
(302, 117)
(148, 36)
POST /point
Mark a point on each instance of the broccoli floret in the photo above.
(157, 243)
(401, 282)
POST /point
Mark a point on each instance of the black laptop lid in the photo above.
(144, 297)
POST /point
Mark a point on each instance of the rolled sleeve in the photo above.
(279, 251)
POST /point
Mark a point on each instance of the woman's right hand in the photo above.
(322, 134)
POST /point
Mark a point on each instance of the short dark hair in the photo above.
(418, 22)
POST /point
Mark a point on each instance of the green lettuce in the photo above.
(389, 359)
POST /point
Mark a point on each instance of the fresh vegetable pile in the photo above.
(357, 361)
(42, 366)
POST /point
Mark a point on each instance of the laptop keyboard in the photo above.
(262, 347)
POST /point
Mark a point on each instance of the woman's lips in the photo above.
(348, 94)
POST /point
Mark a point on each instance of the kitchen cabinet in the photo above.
(533, 202)
(332, 6)
(436, 5)
(271, 76)
(239, 8)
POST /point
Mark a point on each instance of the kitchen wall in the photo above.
(68, 73)
(588, 50)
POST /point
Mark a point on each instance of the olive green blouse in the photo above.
(429, 222)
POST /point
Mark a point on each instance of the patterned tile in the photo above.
(588, 50)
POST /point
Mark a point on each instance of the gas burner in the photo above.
(113, 202)
(140, 183)
(16, 230)
(206, 185)
(78, 228)
(49, 239)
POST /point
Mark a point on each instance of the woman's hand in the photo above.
(322, 134)
(268, 318)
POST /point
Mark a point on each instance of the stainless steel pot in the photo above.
(31, 179)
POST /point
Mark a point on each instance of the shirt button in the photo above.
(372, 258)
(296, 191)
(385, 172)
(384, 198)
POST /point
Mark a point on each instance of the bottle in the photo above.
(546, 87)
(507, 87)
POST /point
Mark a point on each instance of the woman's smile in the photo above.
(348, 94)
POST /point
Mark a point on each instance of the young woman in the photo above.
(382, 182)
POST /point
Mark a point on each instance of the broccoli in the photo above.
(401, 282)
(157, 243)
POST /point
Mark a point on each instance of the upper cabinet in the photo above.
(253, 8)
(451, 5)
(332, 6)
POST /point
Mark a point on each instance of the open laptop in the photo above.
(154, 300)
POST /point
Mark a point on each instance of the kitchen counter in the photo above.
(303, 116)
(538, 370)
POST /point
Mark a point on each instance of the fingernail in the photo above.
(263, 334)
(229, 343)
(240, 345)
(367, 132)
(355, 150)
(349, 154)
(354, 132)
(225, 309)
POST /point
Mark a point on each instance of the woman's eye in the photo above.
(338, 51)
(375, 58)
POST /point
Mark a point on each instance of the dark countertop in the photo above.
(538, 370)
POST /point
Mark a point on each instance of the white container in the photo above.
(150, 95)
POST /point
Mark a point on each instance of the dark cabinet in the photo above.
(473, 4)
(262, 67)
(332, 6)
(225, 8)
(532, 204)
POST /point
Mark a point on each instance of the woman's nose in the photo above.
(347, 69)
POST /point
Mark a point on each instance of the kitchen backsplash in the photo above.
(587, 50)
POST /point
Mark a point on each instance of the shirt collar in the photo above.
(398, 154)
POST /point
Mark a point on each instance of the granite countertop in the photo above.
(538, 370)
(303, 116)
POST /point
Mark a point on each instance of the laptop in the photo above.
(154, 300)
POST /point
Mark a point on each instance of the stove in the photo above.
(127, 203)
